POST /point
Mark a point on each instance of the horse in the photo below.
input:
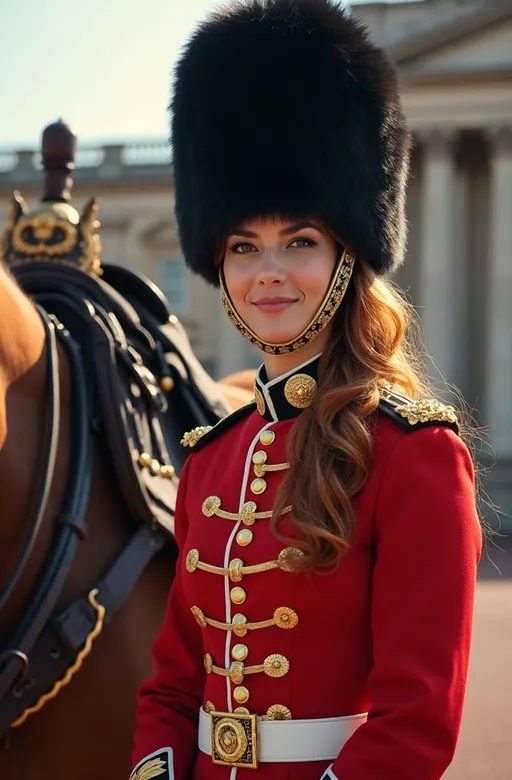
(98, 385)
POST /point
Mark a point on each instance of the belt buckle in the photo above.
(234, 738)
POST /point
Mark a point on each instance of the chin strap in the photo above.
(324, 314)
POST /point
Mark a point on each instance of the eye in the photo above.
(300, 243)
(242, 248)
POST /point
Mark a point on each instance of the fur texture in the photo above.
(285, 107)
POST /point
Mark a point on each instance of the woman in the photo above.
(319, 624)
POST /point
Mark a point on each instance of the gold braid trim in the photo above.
(190, 438)
(82, 655)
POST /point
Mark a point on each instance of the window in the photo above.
(174, 283)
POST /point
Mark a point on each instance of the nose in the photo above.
(270, 271)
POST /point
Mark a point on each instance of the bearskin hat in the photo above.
(287, 108)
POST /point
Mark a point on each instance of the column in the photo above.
(498, 357)
(437, 272)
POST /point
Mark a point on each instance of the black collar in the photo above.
(286, 396)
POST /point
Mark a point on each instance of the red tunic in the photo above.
(388, 632)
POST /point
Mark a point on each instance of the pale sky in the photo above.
(102, 65)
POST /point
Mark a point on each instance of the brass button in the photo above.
(144, 459)
(267, 438)
(285, 617)
(154, 467)
(241, 694)
(238, 595)
(244, 537)
(244, 711)
(276, 665)
(258, 486)
(240, 652)
(259, 458)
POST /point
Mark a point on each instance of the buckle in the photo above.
(234, 739)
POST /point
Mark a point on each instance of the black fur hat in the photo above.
(286, 108)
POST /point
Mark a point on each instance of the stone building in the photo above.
(455, 60)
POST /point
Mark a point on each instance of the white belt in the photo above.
(315, 739)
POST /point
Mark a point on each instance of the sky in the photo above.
(103, 66)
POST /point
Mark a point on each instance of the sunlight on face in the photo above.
(277, 273)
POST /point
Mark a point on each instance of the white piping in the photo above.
(292, 371)
(227, 555)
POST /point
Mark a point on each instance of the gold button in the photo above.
(240, 652)
(259, 458)
(267, 438)
(155, 467)
(241, 694)
(144, 459)
(238, 595)
(276, 665)
(244, 711)
(258, 486)
(244, 537)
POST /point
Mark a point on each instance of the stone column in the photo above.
(498, 357)
(437, 272)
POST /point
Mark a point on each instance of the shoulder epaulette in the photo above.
(199, 437)
(422, 413)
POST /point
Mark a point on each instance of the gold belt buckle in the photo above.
(234, 739)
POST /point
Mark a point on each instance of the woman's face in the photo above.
(277, 273)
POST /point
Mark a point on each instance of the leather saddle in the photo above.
(132, 346)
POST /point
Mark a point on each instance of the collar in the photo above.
(287, 395)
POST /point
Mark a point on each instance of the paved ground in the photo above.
(485, 747)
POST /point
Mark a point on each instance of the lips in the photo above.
(274, 305)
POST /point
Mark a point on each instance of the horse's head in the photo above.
(54, 231)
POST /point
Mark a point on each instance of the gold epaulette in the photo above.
(419, 413)
(190, 438)
(198, 437)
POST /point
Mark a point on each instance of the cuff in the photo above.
(158, 764)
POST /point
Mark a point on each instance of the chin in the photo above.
(275, 336)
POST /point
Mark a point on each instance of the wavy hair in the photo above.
(375, 342)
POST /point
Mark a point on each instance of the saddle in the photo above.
(132, 347)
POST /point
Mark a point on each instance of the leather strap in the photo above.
(293, 741)
(57, 646)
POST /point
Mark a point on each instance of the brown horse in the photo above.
(81, 725)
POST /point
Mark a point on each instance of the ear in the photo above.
(88, 214)
(18, 206)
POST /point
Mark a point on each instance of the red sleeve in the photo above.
(428, 542)
(169, 702)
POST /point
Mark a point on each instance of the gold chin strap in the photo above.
(326, 311)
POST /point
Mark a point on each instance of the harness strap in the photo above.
(63, 637)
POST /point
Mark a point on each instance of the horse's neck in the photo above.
(21, 343)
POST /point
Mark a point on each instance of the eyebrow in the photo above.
(284, 232)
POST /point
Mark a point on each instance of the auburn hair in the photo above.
(374, 343)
